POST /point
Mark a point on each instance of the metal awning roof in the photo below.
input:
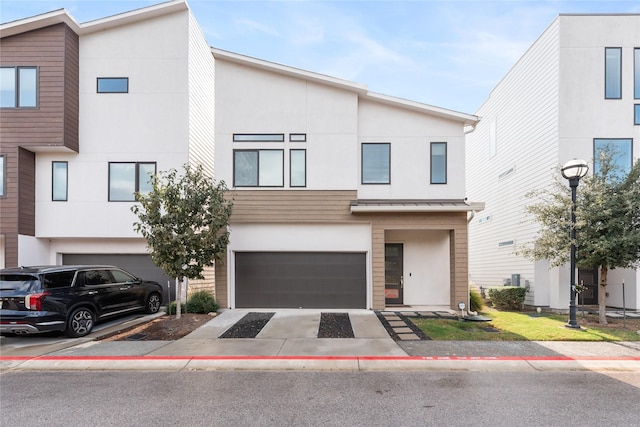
(428, 205)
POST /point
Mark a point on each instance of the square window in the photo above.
(113, 85)
(258, 168)
(622, 153)
(376, 163)
(18, 87)
(125, 179)
(59, 185)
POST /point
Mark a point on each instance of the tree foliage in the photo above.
(607, 221)
(184, 219)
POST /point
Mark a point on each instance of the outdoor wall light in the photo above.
(573, 170)
(462, 305)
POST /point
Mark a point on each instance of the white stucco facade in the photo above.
(547, 110)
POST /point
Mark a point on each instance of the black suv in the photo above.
(70, 298)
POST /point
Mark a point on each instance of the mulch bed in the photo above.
(335, 325)
(249, 326)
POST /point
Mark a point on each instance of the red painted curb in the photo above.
(319, 358)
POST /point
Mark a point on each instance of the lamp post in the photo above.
(573, 170)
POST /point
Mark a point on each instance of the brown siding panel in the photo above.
(26, 192)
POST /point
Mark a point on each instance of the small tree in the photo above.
(184, 219)
(607, 222)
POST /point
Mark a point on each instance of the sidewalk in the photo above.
(288, 341)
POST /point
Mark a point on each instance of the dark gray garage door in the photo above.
(138, 265)
(300, 280)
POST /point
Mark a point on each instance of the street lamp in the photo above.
(573, 170)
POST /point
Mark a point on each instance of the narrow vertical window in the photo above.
(438, 162)
(613, 73)
(636, 114)
(298, 168)
(376, 163)
(59, 181)
(7, 87)
(3, 175)
(636, 73)
(27, 87)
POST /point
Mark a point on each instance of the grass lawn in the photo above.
(524, 326)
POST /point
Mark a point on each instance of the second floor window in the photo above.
(18, 87)
(113, 85)
(613, 73)
(438, 162)
(127, 178)
(376, 163)
(3, 175)
(636, 73)
(258, 168)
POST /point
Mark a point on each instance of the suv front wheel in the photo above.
(80, 322)
(153, 303)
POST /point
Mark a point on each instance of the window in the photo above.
(125, 179)
(59, 175)
(636, 76)
(122, 277)
(613, 73)
(258, 137)
(298, 168)
(622, 153)
(298, 137)
(637, 114)
(113, 85)
(18, 87)
(61, 279)
(376, 163)
(3, 176)
(438, 162)
(258, 168)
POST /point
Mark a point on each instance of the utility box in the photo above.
(515, 280)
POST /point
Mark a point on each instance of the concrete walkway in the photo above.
(289, 341)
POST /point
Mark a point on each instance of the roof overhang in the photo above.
(419, 206)
(63, 16)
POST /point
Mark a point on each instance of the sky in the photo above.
(449, 54)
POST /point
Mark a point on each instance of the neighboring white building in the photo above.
(576, 87)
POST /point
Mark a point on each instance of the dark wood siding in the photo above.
(54, 51)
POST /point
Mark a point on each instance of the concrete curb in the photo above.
(324, 363)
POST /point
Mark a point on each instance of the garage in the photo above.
(139, 265)
(300, 280)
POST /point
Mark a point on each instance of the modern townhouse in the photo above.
(343, 198)
(576, 89)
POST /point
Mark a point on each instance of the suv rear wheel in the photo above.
(80, 322)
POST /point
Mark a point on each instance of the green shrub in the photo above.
(476, 303)
(200, 302)
(509, 298)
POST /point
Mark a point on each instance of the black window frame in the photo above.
(16, 98)
(446, 162)
(53, 181)
(636, 73)
(98, 79)
(137, 178)
(636, 114)
(362, 181)
(619, 49)
(258, 137)
(291, 165)
(3, 178)
(257, 151)
(595, 153)
(297, 137)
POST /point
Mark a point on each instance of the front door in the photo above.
(394, 280)
(589, 278)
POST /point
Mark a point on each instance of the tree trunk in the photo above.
(178, 298)
(602, 296)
